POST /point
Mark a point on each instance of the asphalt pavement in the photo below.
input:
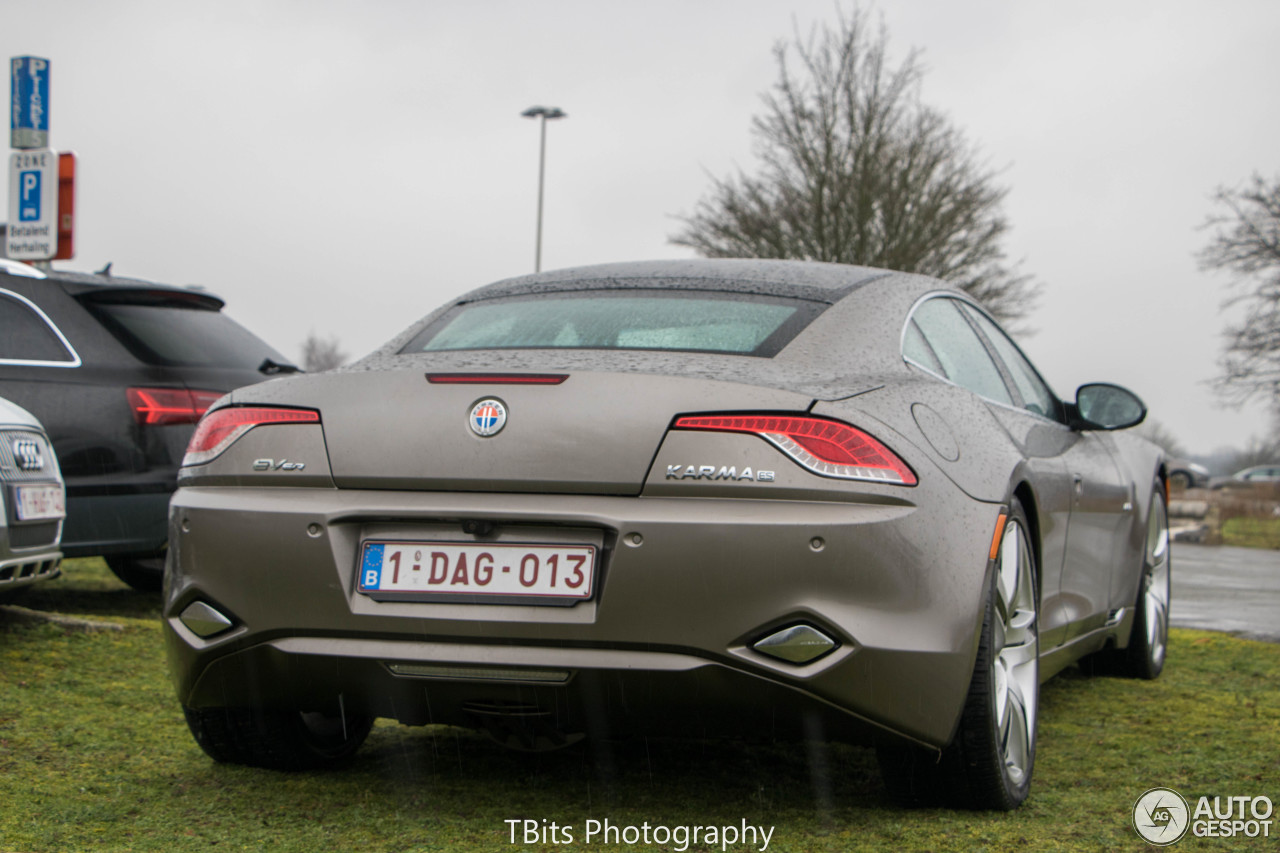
(1218, 588)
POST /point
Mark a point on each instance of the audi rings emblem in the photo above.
(26, 452)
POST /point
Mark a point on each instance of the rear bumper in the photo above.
(684, 587)
(126, 521)
(608, 692)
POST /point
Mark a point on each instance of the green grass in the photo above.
(94, 755)
(1247, 532)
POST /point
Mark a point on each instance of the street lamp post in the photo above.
(543, 113)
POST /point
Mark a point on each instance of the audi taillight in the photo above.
(221, 428)
(825, 447)
(164, 406)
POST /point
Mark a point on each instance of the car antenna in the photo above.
(105, 270)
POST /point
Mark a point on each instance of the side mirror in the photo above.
(1100, 405)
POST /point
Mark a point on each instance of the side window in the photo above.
(26, 335)
(959, 351)
(1036, 395)
(917, 349)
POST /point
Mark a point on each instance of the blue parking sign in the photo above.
(32, 234)
(29, 196)
(29, 102)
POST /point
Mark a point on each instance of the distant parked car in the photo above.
(119, 370)
(1258, 474)
(1184, 473)
(32, 502)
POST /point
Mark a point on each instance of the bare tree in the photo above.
(855, 169)
(1159, 434)
(1246, 243)
(1258, 451)
(322, 353)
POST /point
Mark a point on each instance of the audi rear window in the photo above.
(697, 321)
(183, 335)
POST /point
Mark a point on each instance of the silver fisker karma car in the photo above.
(678, 498)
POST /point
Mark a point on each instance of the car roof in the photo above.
(19, 268)
(820, 282)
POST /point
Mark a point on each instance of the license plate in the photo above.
(39, 503)
(539, 573)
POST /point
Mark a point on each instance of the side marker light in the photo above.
(998, 536)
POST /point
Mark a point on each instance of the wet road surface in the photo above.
(1218, 588)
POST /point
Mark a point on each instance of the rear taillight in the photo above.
(825, 447)
(163, 406)
(220, 429)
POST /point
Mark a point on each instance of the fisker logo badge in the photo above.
(26, 452)
(488, 417)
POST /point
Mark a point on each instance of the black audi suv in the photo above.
(119, 370)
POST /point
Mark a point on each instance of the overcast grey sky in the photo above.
(344, 167)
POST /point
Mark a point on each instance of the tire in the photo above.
(988, 764)
(1180, 480)
(1149, 637)
(145, 573)
(278, 740)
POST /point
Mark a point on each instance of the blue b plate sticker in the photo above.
(371, 566)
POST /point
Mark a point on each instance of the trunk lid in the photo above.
(594, 433)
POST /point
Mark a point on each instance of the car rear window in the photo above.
(183, 335)
(734, 323)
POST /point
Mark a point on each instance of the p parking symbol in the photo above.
(29, 196)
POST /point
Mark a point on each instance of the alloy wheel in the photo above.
(1155, 596)
(1015, 668)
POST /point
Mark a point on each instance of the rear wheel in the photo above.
(988, 765)
(280, 740)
